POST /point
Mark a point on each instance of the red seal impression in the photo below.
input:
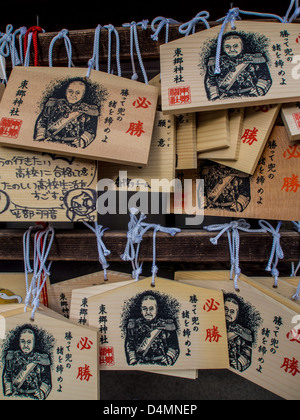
(179, 95)
(107, 357)
(297, 119)
(10, 127)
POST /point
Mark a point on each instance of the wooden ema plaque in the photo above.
(272, 192)
(13, 288)
(262, 344)
(282, 293)
(258, 65)
(60, 294)
(80, 299)
(164, 327)
(59, 110)
(49, 358)
(80, 314)
(161, 162)
(290, 114)
(186, 141)
(212, 130)
(36, 186)
(236, 118)
(257, 125)
(294, 281)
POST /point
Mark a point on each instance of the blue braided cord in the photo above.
(296, 11)
(111, 29)
(231, 16)
(134, 38)
(190, 26)
(27, 53)
(62, 34)
(5, 41)
(23, 31)
(15, 59)
(93, 63)
(162, 22)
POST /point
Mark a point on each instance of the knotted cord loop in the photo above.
(161, 21)
(111, 29)
(276, 251)
(134, 41)
(93, 62)
(190, 26)
(17, 60)
(102, 250)
(6, 41)
(136, 230)
(232, 229)
(134, 237)
(32, 35)
(40, 255)
(62, 34)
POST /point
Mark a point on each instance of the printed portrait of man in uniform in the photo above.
(150, 328)
(69, 113)
(225, 188)
(242, 322)
(27, 363)
(244, 70)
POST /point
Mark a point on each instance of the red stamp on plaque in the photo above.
(297, 119)
(107, 357)
(179, 95)
(10, 127)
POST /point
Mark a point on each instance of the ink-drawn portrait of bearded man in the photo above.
(244, 70)
(70, 114)
(242, 322)
(27, 364)
(150, 329)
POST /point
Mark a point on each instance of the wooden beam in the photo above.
(186, 246)
(82, 41)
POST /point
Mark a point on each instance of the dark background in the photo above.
(55, 15)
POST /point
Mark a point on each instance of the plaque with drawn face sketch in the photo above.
(37, 186)
(263, 340)
(60, 110)
(166, 327)
(257, 63)
(47, 358)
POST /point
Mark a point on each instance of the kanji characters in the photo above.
(249, 136)
(291, 184)
(135, 129)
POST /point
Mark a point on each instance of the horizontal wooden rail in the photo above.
(186, 246)
(82, 42)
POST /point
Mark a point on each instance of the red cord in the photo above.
(44, 290)
(35, 30)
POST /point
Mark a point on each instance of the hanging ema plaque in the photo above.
(166, 327)
(257, 64)
(36, 186)
(263, 341)
(272, 192)
(46, 358)
(102, 117)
